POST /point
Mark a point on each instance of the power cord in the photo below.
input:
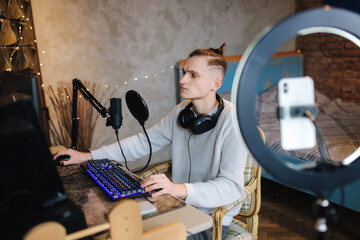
(331, 212)
(322, 148)
(147, 164)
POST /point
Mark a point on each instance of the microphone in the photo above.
(115, 119)
(137, 106)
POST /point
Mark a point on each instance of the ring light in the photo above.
(326, 20)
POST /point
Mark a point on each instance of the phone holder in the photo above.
(297, 111)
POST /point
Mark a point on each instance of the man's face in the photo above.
(198, 78)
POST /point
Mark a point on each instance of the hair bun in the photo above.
(220, 50)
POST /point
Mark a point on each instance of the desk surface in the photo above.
(84, 192)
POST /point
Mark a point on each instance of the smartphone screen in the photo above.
(296, 132)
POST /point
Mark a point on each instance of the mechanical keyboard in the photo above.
(115, 180)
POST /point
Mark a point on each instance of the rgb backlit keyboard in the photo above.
(114, 180)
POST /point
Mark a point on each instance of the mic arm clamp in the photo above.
(79, 86)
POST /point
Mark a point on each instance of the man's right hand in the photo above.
(75, 157)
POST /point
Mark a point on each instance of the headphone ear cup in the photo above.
(201, 124)
(185, 118)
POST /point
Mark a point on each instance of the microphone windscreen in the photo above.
(137, 106)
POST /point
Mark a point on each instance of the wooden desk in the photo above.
(84, 192)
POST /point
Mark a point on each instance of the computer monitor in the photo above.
(29, 180)
(16, 86)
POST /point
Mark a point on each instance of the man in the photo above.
(208, 158)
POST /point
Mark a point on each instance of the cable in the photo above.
(147, 164)
(188, 144)
(325, 159)
(322, 148)
(117, 138)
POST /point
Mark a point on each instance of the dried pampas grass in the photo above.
(61, 100)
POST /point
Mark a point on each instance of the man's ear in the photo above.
(217, 83)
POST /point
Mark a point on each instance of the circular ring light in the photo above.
(325, 20)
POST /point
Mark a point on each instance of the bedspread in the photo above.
(338, 122)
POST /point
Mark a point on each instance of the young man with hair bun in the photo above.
(208, 158)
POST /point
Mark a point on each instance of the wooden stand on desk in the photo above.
(124, 223)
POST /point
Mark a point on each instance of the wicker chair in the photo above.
(251, 201)
(124, 223)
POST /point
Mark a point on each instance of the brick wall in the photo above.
(332, 61)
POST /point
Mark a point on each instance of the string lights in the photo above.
(15, 17)
(146, 77)
(25, 23)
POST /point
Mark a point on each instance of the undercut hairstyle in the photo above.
(216, 57)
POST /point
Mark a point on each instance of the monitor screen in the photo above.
(16, 86)
(28, 174)
(31, 190)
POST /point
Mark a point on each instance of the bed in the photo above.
(338, 121)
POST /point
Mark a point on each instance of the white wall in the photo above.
(115, 41)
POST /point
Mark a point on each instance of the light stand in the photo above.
(323, 208)
(78, 86)
(322, 204)
(321, 222)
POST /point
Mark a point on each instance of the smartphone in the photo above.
(296, 132)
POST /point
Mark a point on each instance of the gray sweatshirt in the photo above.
(217, 158)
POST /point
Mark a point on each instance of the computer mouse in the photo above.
(61, 158)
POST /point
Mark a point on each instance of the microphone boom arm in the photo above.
(89, 97)
(77, 85)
